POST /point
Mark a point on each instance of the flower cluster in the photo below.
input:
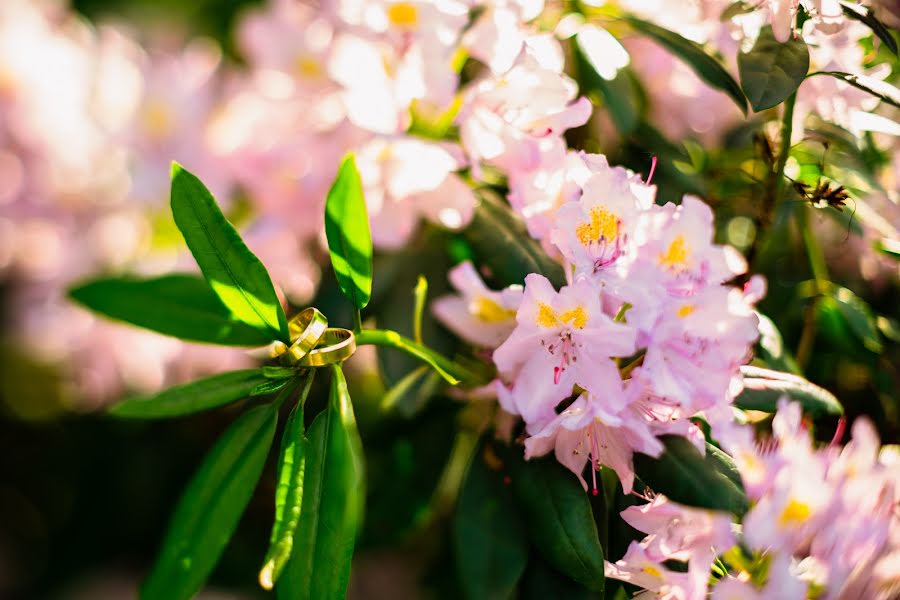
(644, 337)
(825, 523)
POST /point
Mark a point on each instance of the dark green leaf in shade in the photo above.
(288, 493)
(211, 506)
(705, 66)
(235, 274)
(179, 305)
(772, 349)
(618, 94)
(501, 242)
(489, 538)
(864, 15)
(349, 238)
(543, 582)
(882, 90)
(559, 517)
(764, 388)
(772, 70)
(858, 315)
(333, 495)
(193, 397)
(686, 476)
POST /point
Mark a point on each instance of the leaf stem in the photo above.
(357, 321)
(450, 370)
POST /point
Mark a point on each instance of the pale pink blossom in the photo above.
(405, 179)
(561, 339)
(478, 314)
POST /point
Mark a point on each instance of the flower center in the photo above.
(577, 317)
(157, 119)
(307, 67)
(604, 225)
(677, 254)
(685, 310)
(652, 571)
(486, 310)
(404, 15)
(795, 513)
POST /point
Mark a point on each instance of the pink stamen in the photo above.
(557, 374)
(652, 170)
(839, 432)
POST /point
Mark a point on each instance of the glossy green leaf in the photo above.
(288, 493)
(541, 581)
(616, 90)
(705, 66)
(211, 506)
(686, 476)
(560, 520)
(763, 388)
(864, 15)
(489, 538)
(772, 70)
(270, 386)
(501, 242)
(193, 397)
(319, 566)
(182, 306)
(858, 316)
(882, 90)
(772, 348)
(452, 372)
(235, 274)
(889, 247)
(349, 238)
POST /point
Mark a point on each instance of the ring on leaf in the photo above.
(306, 329)
(337, 345)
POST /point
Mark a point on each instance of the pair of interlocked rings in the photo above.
(313, 342)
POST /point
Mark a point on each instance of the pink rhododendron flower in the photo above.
(595, 429)
(498, 35)
(509, 120)
(479, 315)
(638, 568)
(405, 179)
(561, 339)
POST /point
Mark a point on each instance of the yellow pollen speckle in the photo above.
(677, 254)
(796, 512)
(157, 119)
(546, 317)
(577, 317)
(603, 225)
(485, 309)
(651, 571)
(307, 67)
(403, 14)
(685, 310)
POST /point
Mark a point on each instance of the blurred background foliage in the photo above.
(83, 499)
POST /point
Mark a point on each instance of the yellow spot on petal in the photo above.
(677, 254)
(307, 67)
(546, 317)
(603, 224)
(157, 119)
(685, 310)
(403, 14)
(795, 513)
(577, 317)
(651, 571)
(485, 309)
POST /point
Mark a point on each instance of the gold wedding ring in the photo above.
(337, 345)
(306, 329)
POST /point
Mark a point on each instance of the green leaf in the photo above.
(685, 476)
(772, 70)
(882, 90)
(234, 273)
(763, 388)
(705, 66)
(560, 520)
(452, 372)
(490, 544)
(772, 348)
(617, 91)
(888, 247)
(349, 238)
(182, 306)
(541, 581)
(319, 565)
(864, 15)
(858, 315)
(211, 506)
(192, 397)
(288, 493)
(501, 242)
